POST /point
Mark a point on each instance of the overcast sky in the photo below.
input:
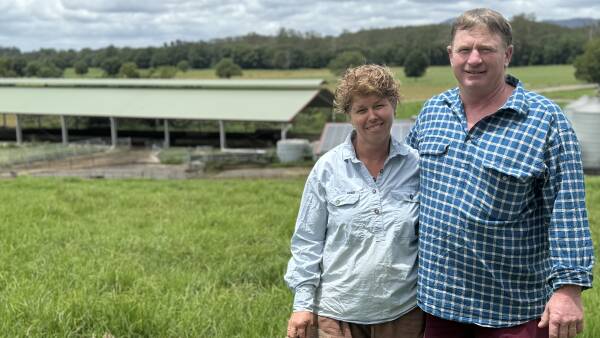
(64, 24)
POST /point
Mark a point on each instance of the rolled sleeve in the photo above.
(571, 249)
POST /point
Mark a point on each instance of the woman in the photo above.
(354, 249)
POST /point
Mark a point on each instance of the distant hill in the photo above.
(574, 22)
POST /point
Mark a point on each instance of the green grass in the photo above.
(435, 80)
(137, 258)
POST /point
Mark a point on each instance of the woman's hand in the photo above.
(301, 324)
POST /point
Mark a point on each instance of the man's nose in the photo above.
(474, 57)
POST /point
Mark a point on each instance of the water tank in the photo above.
(584, 114)
(292, 150)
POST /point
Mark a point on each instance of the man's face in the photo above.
(479, 59)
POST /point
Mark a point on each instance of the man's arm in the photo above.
(571, 250)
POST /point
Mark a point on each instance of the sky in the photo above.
(76, 24)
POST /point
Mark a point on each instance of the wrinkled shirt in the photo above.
(503, 219)
(354, 249)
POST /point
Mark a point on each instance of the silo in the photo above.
(584, 114)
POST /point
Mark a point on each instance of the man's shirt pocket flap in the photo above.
(433, 148)
(520, 173)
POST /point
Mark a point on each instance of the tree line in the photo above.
(536, 43)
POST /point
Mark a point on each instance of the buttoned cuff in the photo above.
(571, 277)
(304, 298)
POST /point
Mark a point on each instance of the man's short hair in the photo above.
(492, 20)
(363, 81)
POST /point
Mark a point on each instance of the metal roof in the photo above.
(228, 100)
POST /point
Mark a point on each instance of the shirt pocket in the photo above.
(432, 155)
(344, 216)
(405, 213)
(504, 192)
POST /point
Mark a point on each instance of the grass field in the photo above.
(83, 258)
(435, 80)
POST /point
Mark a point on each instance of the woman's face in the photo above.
(372, 118)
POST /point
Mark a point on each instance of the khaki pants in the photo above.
(411, 325)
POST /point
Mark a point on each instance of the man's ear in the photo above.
(449, 50)
(508, 55)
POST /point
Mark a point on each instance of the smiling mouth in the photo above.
(374, 125)
(475, 72)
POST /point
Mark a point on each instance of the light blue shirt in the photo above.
(354, 249)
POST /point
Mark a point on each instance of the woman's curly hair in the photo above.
(363, 81)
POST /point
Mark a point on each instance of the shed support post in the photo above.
(222, 135)
(3, 120)
(167, 142)
(18, 129)
(285, 127)
(113, 131)
(64, 130)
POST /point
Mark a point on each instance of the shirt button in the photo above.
(381, 171)
(374, 191)
(376, 211)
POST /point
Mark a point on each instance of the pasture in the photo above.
(138, 258)
(435, 80)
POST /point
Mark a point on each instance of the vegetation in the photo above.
(80, 68)
(135, 258)
(587, 66)
(416, 64)
(346, 60)
(129, 70)
(536, 43)
(226, 68)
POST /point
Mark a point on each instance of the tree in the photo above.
(226, 68)
(416, 64)
(33, 68)
(587, 65)
(111, 65)
(80, 67)
(183, 66)
(129, 70)
(346, 60)
(5, 68)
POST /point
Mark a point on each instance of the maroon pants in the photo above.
(436, 327)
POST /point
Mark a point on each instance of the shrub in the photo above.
(346, 60)
(226, 68)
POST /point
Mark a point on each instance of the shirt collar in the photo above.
(397, 148)
(516, 101)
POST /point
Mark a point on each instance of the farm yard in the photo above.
(183, 258)
(142, 258)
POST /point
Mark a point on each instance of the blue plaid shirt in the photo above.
(503, 221)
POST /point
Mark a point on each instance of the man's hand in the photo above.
(564, 313)
(301, 324)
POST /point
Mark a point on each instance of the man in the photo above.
(505, 246)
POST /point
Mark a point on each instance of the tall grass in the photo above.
(135, 258)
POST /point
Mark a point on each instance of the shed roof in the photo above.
(233, 100)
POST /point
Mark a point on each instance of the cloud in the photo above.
(31, 24)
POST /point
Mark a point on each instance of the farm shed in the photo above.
(218, 100)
